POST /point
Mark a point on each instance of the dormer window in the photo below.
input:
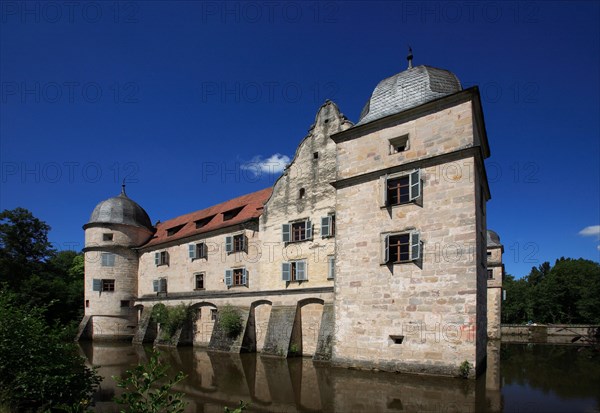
(174, 230)
(204, 221)
(232, 213)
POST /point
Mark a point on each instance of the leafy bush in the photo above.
(465, 369)
(38, 369)
(171, 318)
(230, 321)
(143, 391)
(242, 407)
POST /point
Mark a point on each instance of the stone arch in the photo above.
(257, 325)
(305, 335)
(203, 323)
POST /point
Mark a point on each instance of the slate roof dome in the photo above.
(408, 89)
(120, 210)
(493, 239)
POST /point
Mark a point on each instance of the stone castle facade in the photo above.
(371, 250)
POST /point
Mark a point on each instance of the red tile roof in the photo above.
(251, 207)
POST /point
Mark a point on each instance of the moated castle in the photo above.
(371, 250)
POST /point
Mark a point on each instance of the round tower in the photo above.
(117, 226)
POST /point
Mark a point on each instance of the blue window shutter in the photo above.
(192, 250)
(383, 190)
(325, 226)
(96, 284)
(301, 270)
(228, 278)
(285, 230)
(157, 258)
(285, 271)
(308, 229)
(385, 253)
(111, 260)
(155, 285)
(415, 246)
(228, 244)
(331, 272)
(244, 277)
(415, 184)
(203, 253)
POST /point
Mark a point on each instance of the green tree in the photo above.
(24, 245)
(38, 370)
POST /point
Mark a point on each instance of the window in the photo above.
(125, 303)
(160, 285)
(232, 213)
(400, 189)
(174, 230)
(199, 281)
(490, 274)
(107, 237)
(108, 259)
(236, 243)
(197, 251)
(301, 193)
(294, 271)
(87, 303)
(403, 247)
(108, 285)
(399, 144)
(489, 254)
(315, 155)
(331, 267)
(328, 226)
(161, 258)
(236, 277)
(204, 221)
(213, 314)
(297, 231)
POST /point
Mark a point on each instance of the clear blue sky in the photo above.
(178, 96)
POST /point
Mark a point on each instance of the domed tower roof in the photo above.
(493, 239)
(120, 210)
(408, 89)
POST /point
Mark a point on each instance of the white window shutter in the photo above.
(415, 184)
(157, 258)
(308, 229)
(192, 250)
(415, 246)
(228, 244)
(383, 190)
(155, 285)
(301, 270)
(325, 226)
(285, 271)
(244, 277)
(228, 278)
(331, 272)
(385, 250)
(285, 231)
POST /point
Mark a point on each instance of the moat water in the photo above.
(519, 378)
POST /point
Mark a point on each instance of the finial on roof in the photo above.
(123, 188)
(409, 57)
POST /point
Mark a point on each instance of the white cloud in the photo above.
(592, 230)
(274, 164)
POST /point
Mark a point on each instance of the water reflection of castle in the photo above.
(217, 379)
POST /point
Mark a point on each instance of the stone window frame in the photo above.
(107, 259)
(202, 275)
(232, 274)
(294, 271)
(415, 246)
(161, 258)
(233, 245)
(414, 184)
(402, 141)
(288, 232)
(198, 250)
